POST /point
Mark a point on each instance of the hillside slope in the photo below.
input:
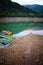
(9, 8)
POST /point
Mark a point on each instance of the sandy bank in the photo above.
(26, 50)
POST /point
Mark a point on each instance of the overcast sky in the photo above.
(23, 2)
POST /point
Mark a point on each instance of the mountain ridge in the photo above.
(36, 7)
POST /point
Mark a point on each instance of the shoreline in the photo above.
(24, 34)
(19, 19)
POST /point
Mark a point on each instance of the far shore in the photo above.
(21, 19)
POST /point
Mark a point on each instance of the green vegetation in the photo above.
(13, 9)
(16, 27)
(7, 39)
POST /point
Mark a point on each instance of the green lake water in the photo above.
(16, 27)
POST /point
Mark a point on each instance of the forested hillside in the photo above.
(13, 9)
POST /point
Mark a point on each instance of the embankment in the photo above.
(18, 19)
